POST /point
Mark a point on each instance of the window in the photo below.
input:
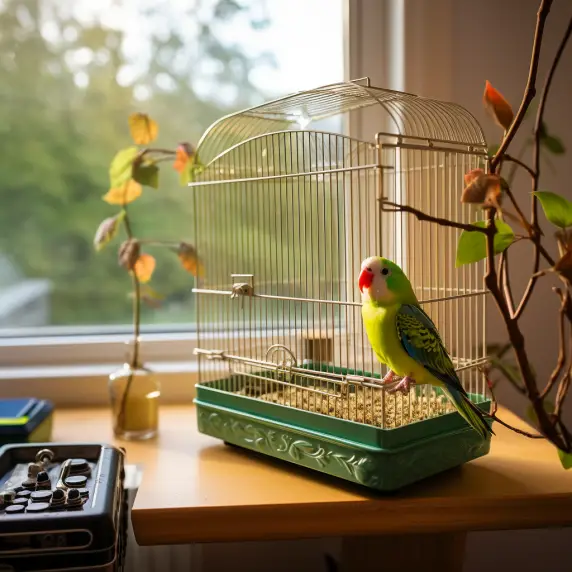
(70, 73)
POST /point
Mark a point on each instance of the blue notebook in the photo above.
(24, 420)
(15, 408)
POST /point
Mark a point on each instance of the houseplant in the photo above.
(134, 390)
(505, 222)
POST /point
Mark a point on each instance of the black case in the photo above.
(93, 536)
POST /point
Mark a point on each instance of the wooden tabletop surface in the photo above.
(196, 489)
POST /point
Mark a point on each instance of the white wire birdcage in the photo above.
(284, 215)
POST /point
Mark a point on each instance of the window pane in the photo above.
(71, 71)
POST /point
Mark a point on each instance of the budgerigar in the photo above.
(405, 339)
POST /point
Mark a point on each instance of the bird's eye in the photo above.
(385, 271)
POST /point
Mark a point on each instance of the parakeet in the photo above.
(405, 339)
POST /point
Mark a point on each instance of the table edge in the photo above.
(187, 525)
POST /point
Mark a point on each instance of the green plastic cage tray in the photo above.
(385, 459)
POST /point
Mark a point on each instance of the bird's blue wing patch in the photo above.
(421, 340)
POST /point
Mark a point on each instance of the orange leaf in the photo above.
(185, 153)
(128, 253)
(482, 189)
(189, 258)
(126, 193)
(143, 128)
(497, 106)
(144, 267)
(472, 175)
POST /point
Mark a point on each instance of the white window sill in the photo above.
(82, 385)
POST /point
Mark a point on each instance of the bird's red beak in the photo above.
(365, 279)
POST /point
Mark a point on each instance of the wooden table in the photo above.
(196, 489)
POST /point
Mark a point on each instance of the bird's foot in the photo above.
(388, 378)
(404, 385)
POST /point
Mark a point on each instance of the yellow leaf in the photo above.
(144, 267)
(190, 261)
(143, 128)
(126, 193)
(498, 106)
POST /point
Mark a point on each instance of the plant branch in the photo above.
(504, 281)
(530, 90)
(510, 378)
(136, 329)
(517, 339)
(535, 171)
(564, 301)
(429, 218)
(544, 99)
(515, 429)
(164, 243)
(493, 414)
(520, 163)
(561, 395)
(524, 222)
(531, 283)
(514, 165)
(151, 150)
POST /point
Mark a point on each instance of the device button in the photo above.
(29, 484)
(23, 494)
(15, 509)
(74, 499)
(43, 481)
(41, 496)
(79, 467)
(23, 502)
(58, 499)
(37, 506)
(77, 481)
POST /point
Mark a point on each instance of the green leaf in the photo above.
(472, 246)
(147, 174)
(553, 144)
(493, 149)
(557, 209)
(121, 166)
(186, 175)
(565, 459)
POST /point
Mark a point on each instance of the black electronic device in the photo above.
(62, 507)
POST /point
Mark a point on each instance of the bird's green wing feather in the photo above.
(420, 339)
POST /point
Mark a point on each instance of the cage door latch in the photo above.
(242, 289)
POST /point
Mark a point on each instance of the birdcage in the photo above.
(286, 208)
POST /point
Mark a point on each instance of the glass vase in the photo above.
(134, 392)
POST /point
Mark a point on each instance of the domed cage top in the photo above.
(284, 215)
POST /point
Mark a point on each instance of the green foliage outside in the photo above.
(59, 139)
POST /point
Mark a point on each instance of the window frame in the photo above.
(392, 42)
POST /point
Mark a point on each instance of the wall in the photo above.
(492, 40)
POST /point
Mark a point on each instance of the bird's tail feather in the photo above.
(470, 412)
